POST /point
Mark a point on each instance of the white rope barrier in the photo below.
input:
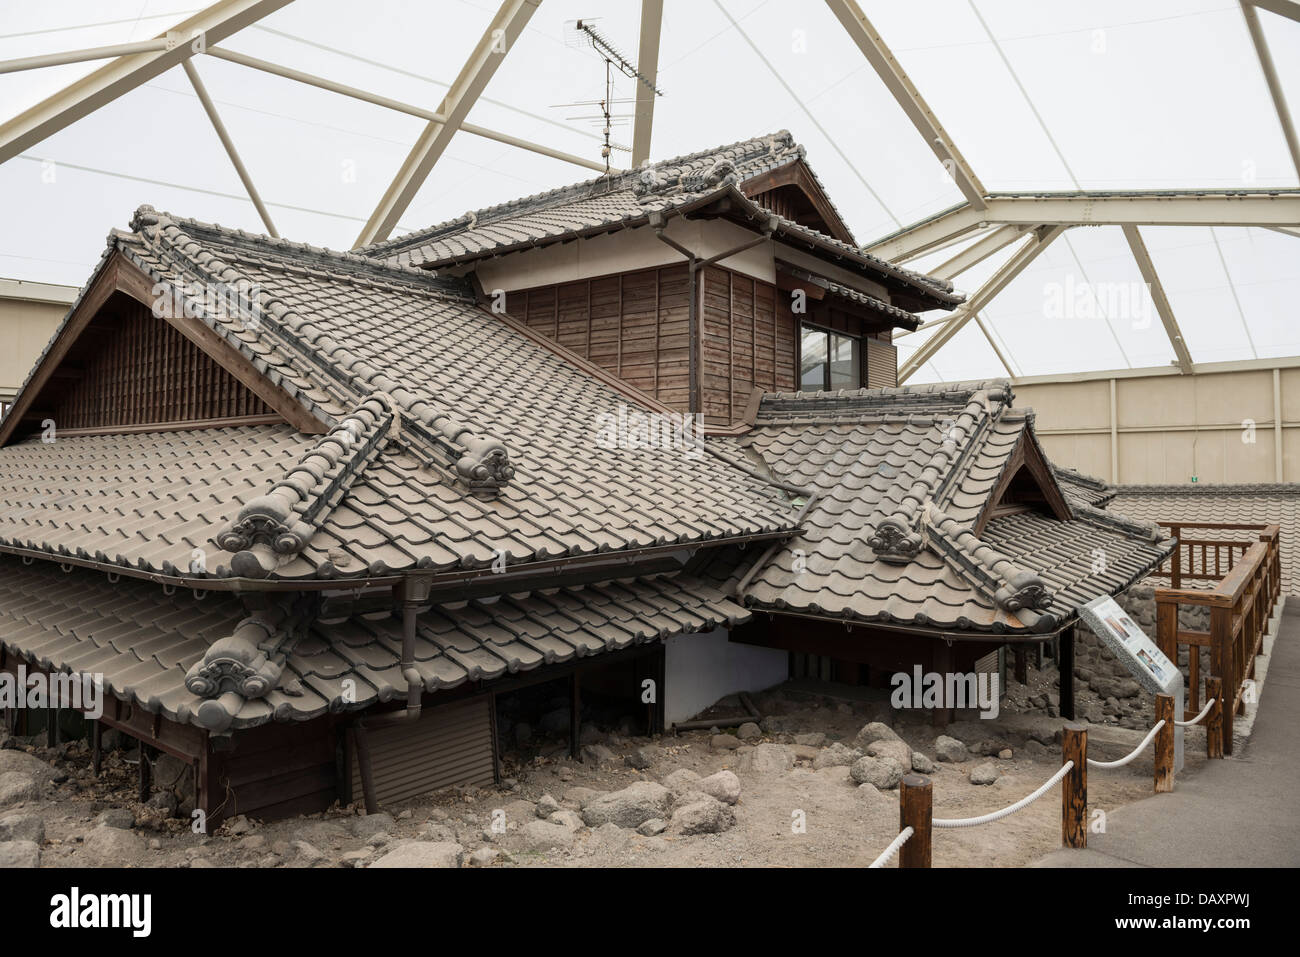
(894, 847)
(1136, 751)
(1198, 718)
(1024, 802)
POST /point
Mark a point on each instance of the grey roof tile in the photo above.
(145, 641)
(1246, 504)
(927, 458)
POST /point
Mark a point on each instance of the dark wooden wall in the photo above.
(131, 368)
(274, 771)
(637, 326)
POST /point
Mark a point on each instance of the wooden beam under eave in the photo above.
(1163, 309)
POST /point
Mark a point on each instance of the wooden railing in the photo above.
(1198, 559)
(1240, 604)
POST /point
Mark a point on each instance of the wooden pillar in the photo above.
(209, 788)
(1038, 656)
(1065, 665)
(575, 715)
(1164, 769)
(1222, 667)
(915, 810)
(1074, 787)
(361, 745)
(96, 746)
(51, 727)
(496, 743)
(661, 688)
(941, 716)
(1022, 664)
(1214, 720)
(1167, 629)
(145, 775)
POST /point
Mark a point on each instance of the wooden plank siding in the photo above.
(130, 368)
(636, 325)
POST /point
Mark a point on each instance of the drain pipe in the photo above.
(412, 593)
(658, 223)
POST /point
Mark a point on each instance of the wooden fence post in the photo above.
(1164, 770)
(915, 805)
(1167, 628)
(1223, 665)
(1214, 720)
(1074, 787)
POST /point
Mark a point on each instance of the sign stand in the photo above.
(1144, 660)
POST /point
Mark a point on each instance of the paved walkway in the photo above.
(1241, 811)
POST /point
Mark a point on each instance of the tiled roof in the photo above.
(901, 478)
(1084, 488)
(628, 199)
(451, 436)
(149, 645)
(1247, 504)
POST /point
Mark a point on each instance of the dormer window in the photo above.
(828, 360)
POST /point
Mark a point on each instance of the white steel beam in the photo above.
(1163, 309)
(81, 56)
(979, 321)
(489, 52)
(908, 97)
(1283, 8)
(125, 73)
(647, 62)
(1274, 84)
(978, 251)
(1252, 207)
(211, 109)
(320, 82)
(1026, 254)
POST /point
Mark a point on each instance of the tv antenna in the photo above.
(581, 34)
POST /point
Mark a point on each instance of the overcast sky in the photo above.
(1092, 94)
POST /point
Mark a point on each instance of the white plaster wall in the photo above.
(700, 669)
(624, 251)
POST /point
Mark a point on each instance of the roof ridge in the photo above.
(479, 459)
(1222, 488)
(1013, 589)
(1104, 518)
(897, 538)
(146, 215)
(584, 189)
(282, 521)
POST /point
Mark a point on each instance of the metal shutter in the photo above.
(882, 364)
(448, 745)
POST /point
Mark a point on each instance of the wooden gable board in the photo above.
(1026, 457)
(120, 275)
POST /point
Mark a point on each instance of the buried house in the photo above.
(309, 513)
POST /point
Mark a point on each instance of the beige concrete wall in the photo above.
(1166, 428)
(26, 325)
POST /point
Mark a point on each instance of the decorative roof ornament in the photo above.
(895, 542)
(286, 518)
(237, 663)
